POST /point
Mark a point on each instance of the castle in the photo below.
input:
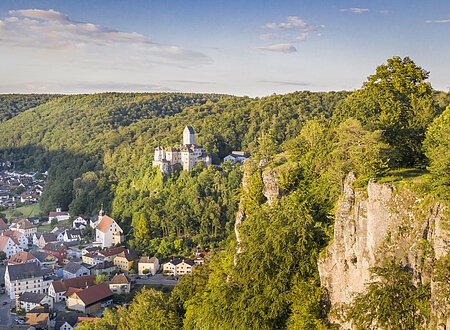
(188, 154)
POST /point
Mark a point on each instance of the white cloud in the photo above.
(293, 28)
(438, 21)
(280, 48)
(292, 22)
(355, 10)
(53, 30)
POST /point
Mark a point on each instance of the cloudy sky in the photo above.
(246, 47)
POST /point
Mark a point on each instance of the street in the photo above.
(5, 316)
(157, 279)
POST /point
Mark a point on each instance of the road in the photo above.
(5, 316)
(157, 279)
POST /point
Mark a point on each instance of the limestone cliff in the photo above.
(384, 222)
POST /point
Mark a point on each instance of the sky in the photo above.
(246, 47)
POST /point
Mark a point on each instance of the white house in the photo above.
(8, 246)
(151, 264)
(21, 278)
(58, 215)
(30, 300)
(20, 239)
(107, 232)
(178, 267)
(73, 269)
(120, 284)
(236, 157)
(79, 223)
(45, 238)
(57, 289)
(25, 227)
(72, 235)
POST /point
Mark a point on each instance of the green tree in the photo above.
(398, 101)
(391, 301)
(437, 149)
(2, 256)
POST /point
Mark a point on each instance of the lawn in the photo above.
(23, 211)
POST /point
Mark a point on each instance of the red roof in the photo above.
(105, 223)
(111, 251)
(21, 258)
(71, 291)
(77, 282)
(3, 225)
(93, 294)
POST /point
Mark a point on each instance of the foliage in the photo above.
(13, 104)
(2, 256)
(397, 101)
(437, 149)
(391, 301)
(149, 310)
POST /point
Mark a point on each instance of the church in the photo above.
(189, 154)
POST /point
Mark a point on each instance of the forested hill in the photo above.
(13, 104)
(116, 132)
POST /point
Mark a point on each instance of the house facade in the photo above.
(57, 289)
(8, 246)
(124, 261)
(22, 278)
(72, 270)
(178, 267)
(91, 299)
(107, 232)
(58, 215)
(30, 300)
(148, 265)
(120, 284)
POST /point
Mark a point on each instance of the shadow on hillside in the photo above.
(63, 168)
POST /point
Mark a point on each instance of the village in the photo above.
(60, 269)
(56, 278)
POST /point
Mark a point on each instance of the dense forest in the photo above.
(98, 149)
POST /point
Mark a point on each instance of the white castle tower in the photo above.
(188, 135)
(188, 154)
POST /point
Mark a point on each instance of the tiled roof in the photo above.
(104, 224)
(24, 271)
(55, 247)
(25, 224)
(147, 260)
(77, 282)
(63, 317)
(103, 265)
(120, 279)
(43, 256)
(128, 254)
(112, 251)
(3, 241)
(21, 258)
(70, 291)
(32, 297)
(94, 293)
(72, 267)
(3, 225)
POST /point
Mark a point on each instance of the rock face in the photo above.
(272, 190)
(383, 223)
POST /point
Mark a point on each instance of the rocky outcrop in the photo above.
(272, 190)
(378, 224)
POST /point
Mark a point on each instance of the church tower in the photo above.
(188, 135)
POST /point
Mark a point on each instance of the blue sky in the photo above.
(249, 47)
